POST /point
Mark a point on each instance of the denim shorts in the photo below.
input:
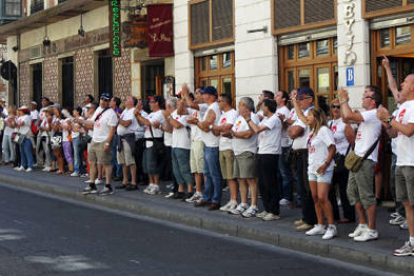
(324, 178)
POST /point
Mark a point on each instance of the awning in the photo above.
(57, 13)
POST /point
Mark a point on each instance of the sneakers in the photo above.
(298, 222)
(154, 190)
(75, 174)
(106, 191)
(196, 196)
(29, 170)
(368, 235)
(404, 226)
(47, 169)
(270, 217)
(397, 221)
(241, 208)
(251, 212)
(330, 232)
(406, 250)
(316, 230)
(132, 187)
(304, 227)
(88, 181)
(89, 191)
(19, 169)
(148, 188)
(395, 214)
(262, 214)
(98, 181)
(284, 201)
(361, 228)
(231, 205)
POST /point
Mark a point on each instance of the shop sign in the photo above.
(350, 76)
(349, 21)
(136, 29)
(115, 27)
(160, 30)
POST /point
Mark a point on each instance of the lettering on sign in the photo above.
(115, 27)
(350, 55)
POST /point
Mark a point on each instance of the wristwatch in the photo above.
(248, 121)
(106, 144)
(211, 127)
(389, 120)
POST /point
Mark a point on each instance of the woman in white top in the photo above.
(24, 123)
(77, 154)
(321, 151)
(9, 150)
(56, 145)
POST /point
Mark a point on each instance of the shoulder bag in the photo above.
(353, 162)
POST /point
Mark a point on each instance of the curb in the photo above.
(345, 254)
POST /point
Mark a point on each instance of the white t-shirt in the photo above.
(338, 130)
(199, 114)
(227, 118)
(368, 132)
(260, 113)
(181, 137)
(45, 124)
(244, 145)
(103, 124)
(127, 115)
(394, 140)
(25, 128)
(405, 145)
(209, 139)
(154, 117)
(292, 115)
(286, 141)
(75, 134)
(301, 141)
(270, 139)
(65, 133)
(34, 114)
(8, 130)
(140, 131)
(318, 149)
(167, 139)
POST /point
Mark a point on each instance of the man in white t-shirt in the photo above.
(226, 154)
(266, 94)
(245, 162)
(360, 184)
(126, 144)
(197, 110)
(402, 126)
(104, 123)
(269, 141)
(154, 135)
(285, 173)
(299, 132)
(212, 173)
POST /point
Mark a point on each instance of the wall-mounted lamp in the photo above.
(81, 31)
(46, 40)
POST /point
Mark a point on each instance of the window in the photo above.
(294, 15)
(13, 8)
(211, 22)
(376, 8)
(219, 72)
(37, 83)
(403, 35)
(394, 39)
(105, 73)
(37, 5)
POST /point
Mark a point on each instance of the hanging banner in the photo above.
(115, 27)
(160, 30)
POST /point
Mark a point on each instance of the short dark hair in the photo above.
(78, 109)
(90, 97)
(271, 104)
(191, 96)
(377, 95)
(268, 94)
(135, 100)
(117, 101)
(227, 98)
(285, 96)
(46, 98)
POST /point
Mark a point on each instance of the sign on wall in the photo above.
(350, 76)
(160, 30)
(115, 27)
(136, 29)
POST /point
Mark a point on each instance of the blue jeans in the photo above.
(286, 176)
(77, 156)
(26, 153)
(116, 168)
(212, 173)
(9, 151)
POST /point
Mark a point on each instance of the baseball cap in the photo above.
(105, 96)
(35, 103)
(211, 90)
(306, 91)
(23, 107)
(156, 98)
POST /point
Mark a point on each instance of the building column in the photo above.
(184, 58)
(256, 63)
(353, 50)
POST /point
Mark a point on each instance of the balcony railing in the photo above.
(37, 6)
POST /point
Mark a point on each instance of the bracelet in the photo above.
(344, 101)
(389, 120)
(249, 120)
(106, 144)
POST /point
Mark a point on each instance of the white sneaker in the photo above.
(367, 236)
(270, 217)
(98, 181)
(229, 206)
(395, 214)
(35, 165)
(404, 226)
(19, 169)
(148, 188)
(330, 232)
(284, 201)
(406, 250)
(155, 190)
(397, 221)
(88, 181)
(316, 230)
(361, 228)
(262, 214)
(196, 196)
(29, 170)
(47, 169)
(251, 212)
(242, 207)
(75, 174)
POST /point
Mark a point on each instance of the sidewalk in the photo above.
(376, 254)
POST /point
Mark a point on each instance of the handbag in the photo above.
(18, 138)
(353, 162)
(84, 140)
(56, 140)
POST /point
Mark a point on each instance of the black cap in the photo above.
(105, 96)
(306, 91)
(211, 90)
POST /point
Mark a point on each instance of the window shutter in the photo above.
(222, 19)
(376, 5)
(287, 13)
(410, 2)
(200, 21)
(319, 10)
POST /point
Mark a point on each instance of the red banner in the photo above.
(160, 30)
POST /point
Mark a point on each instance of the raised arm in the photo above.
(391, 81)
(348, 116)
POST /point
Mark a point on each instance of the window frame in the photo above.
(405, 7)
(5, 3)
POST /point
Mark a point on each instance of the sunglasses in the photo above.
(152, 101)
(106, 100)
(304, 98)
(336, 106)
(368, 97)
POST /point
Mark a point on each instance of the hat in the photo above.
(35, 103)
(306, 91)
(23, 107)
(58, 106)
(156, 98)
(105, 96)
(211, 90)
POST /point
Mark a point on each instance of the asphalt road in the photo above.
(42, 235)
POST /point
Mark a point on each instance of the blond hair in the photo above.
(320, 119)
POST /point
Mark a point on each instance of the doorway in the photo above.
(37, 83)
(68, 87)
(152, 76)
(105, 73)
